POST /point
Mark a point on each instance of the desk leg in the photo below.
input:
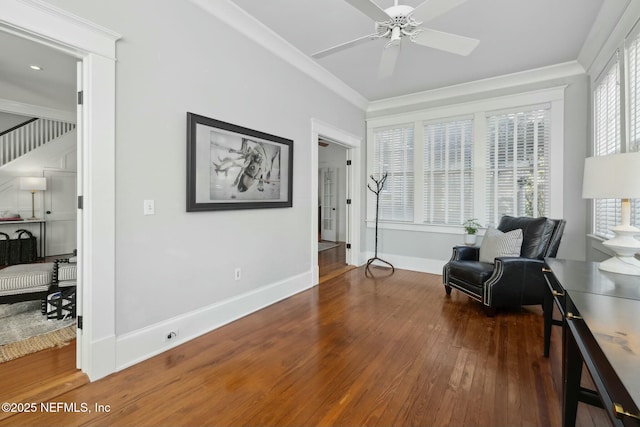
(547, 308)
(572, 367)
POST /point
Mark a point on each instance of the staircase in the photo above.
(28, 136)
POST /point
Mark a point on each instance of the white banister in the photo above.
(32, 135)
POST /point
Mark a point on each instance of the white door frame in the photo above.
(95, 46)
(353, 145)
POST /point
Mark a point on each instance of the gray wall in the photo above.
(437, 246)
(175, 58)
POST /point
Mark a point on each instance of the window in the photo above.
(448, 172)
(480, 159)
(518, 164)
(393, 154)
(608, 135)
(606, 107)
(633, 72)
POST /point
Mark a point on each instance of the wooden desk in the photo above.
(601, 327)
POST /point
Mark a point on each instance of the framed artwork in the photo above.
(232, 167)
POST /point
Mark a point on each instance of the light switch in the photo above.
(149, 207)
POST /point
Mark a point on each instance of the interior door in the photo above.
(329, 202)
(60, 212)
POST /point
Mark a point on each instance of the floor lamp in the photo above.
(616, 176)
(33, 184)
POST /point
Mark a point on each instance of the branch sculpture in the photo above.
(379, 185)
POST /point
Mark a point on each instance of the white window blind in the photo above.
(606, 107)
(448, 172)
(633, 73)
(393, 154)
(518, 164)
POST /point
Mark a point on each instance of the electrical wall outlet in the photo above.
(237, 274)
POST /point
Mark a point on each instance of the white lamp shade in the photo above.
(33, 183)
(616, 176)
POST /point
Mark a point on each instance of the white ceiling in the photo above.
(53, 87)
(515, 35)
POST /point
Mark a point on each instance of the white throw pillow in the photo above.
(496, 244)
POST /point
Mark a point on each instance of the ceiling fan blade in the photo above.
(431, 9)
(370, 9)
(388, 61)
(446, 41)
(342, 46)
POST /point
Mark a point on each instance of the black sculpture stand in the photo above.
(379, 186)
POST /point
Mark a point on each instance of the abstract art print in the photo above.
(232, 167)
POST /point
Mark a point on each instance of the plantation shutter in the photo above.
(606, 105)
(633, 66)
(393, 154)
(448, 172)
(518, 164)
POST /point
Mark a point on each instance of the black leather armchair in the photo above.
(510, 281)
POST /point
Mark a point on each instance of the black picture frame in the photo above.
(232, 167)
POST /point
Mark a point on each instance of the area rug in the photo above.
(323, 246)
(25, 330)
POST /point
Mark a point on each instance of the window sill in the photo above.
(423, 228)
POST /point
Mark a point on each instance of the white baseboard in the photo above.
(423, 265)
(142, 344)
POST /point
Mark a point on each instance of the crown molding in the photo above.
(29, 18)
(602, 42)
(15, 107)
(537, 75)
(241, 21)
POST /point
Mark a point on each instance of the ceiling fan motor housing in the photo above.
(399, 24)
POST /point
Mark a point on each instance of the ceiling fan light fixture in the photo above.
(395, 36)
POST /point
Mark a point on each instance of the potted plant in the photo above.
(471, 227)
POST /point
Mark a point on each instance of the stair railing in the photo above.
(20, 140)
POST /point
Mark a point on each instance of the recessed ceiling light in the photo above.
(35, 67)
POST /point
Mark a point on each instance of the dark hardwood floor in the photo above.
(388, 350)
(331, 262)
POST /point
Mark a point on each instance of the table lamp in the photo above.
(616, 176)
(33, 184)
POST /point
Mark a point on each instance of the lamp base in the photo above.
(622, 265)
(625, 246)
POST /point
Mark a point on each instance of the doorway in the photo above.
(351, 155)
(332, 208)
(61, 211)
(95, 47)
(43, 146)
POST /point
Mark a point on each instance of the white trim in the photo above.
(556, 159)
(558, 71)
(97, 257)
(601, 43)
(36, 17)
(71, 34)
(9, 106)
(423, 265)
(236, 17)
(139, 345)
(523, 99)
(427, 228)
(353, 144)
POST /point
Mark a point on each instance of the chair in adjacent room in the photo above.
(486, 275)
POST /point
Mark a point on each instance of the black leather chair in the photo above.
(510, 281)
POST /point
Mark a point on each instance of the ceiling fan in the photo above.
(398, 22)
